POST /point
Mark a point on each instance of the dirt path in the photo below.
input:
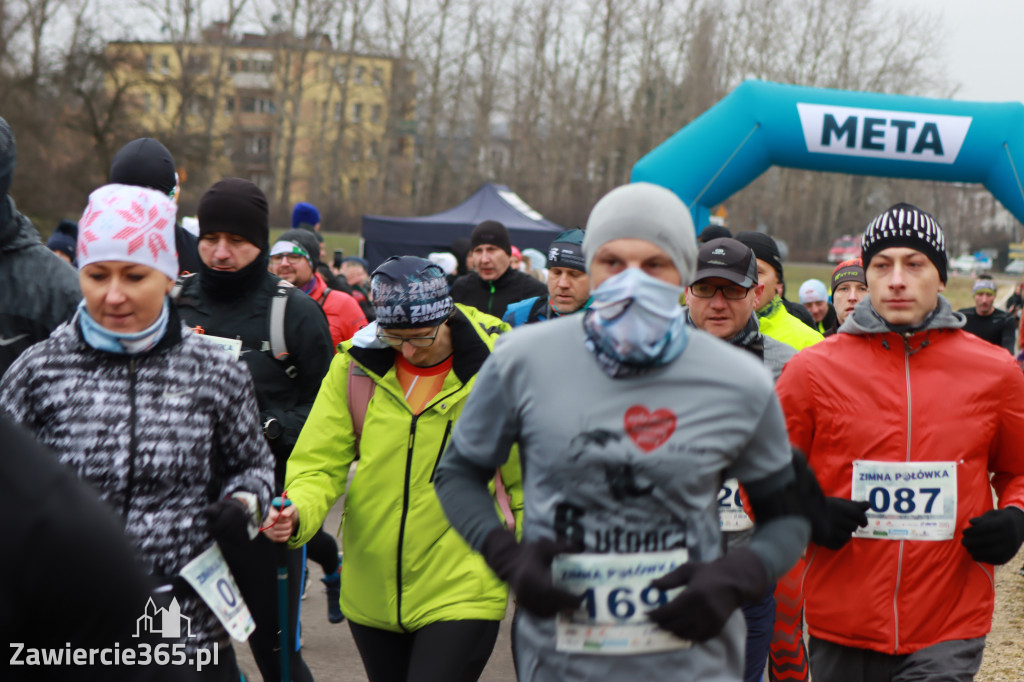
(1004, 648)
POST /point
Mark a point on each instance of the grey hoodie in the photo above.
(865, 320)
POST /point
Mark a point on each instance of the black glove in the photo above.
(713, 591)
(995, 536)
(812, 499)
(527, 570)
(228, 521)
(842, 518)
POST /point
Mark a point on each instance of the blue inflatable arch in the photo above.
(761, 124)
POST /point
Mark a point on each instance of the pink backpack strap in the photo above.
(504, 501)
(360, 390)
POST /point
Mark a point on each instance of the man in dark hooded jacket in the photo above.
(494, 284)
(38, 291)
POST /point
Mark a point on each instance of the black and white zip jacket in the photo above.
(160, 435)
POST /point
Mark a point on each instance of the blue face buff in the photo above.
(635, 323)
(101, 338)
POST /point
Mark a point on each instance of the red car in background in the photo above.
(844, 248)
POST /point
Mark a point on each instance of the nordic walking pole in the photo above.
(282, 599)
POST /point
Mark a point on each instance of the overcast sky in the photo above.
(984, 50)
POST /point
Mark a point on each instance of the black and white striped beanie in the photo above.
(906, 225)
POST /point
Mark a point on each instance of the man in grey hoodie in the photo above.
(620, 489)
(908, 449)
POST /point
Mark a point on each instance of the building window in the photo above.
(374, 149)
(163, 102)
(337, 111)
(356, 153)
(376, 111)
(371, 186)
(256, 144)
(360, 73)
(378, 77)
(147, 102)
(353, 188)
(258, 105)
(165, 64)
(357, 112)
(229, 106)
(149, 63)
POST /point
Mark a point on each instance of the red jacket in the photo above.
(945, 395)
(344, 316)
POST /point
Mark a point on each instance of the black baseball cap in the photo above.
(729, 259)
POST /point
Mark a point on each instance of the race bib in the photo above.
(730, 507)
(909, 500)
(208, 574)
(232, 346)
(617, 596)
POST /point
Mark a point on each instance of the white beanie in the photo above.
(644, 211)
(444, 260)
(129, 224)
(813, 290)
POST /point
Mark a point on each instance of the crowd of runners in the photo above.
(673, 470)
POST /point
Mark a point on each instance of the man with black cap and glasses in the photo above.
(421, 604)
(37, 290)
(145, 162)
(908, 449)
(493, 285)
(787, 322)
(568, 284)
(721, 301)
(238, 304)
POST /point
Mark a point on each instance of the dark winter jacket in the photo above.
(999, 328)
(38, 291)
(187, 245)
(159, 435)
(110, 589)
(308, 338)
(492, 297)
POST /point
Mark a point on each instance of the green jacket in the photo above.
(404, 565)
(777, 323)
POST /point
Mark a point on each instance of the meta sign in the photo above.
(882, 134)
(761, 124)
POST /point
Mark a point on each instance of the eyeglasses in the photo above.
(414, 341)
(733, 292)
(290, 257)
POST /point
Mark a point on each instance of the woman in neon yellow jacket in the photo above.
(418, 599)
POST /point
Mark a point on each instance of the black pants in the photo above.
(254, 566)
(323, 549)
(448, 651)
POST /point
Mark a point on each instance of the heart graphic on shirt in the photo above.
(649, 430)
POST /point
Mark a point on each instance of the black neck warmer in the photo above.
(229, 286)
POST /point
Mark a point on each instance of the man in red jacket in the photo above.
(294, 258)
(899, 583)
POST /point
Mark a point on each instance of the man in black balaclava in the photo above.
(147, 163)
(38, 290)
(232, 297)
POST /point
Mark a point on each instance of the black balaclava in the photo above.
(239, 207)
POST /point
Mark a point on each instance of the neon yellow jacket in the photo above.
(404, 565)
(776, 322)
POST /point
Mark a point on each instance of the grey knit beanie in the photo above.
(644, 211)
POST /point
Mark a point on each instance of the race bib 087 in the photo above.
(909, 500)
(617, 596)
